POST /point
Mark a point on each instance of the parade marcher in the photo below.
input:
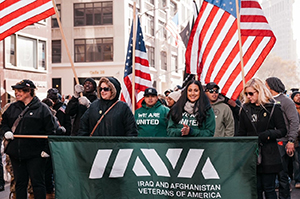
(223, 114)
(173, 98)
(28, 116)
(78, 105)
(117, 118)
(192, 114)
(261, 116)
(151, 118)
(296, 98)
(60, 108)
(285, 144)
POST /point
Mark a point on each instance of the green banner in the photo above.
(115, 167)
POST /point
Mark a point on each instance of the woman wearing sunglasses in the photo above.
(261, 116)
(192, 114)
(117, 118)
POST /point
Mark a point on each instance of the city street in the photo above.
(5, 194)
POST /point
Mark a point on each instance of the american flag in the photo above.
(142, 71)
(213, 48)
(17, 14)
(172, 27)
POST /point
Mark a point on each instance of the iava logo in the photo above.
(123, 156)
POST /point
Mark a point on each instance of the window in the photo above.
(93, 50)
(56, 83)
(173, 7)
(56, 51)
(151, 56)
(163, 57)
(150, 25)
(162, 30)
(10, 50)
(42, 54)
(25, 52)
(54, 23)
(174, 63)
(90, 14)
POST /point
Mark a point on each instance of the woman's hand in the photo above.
(185, 130)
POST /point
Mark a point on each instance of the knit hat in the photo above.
(275, 84)
(175, 95)
(294, 93)
(92, 81)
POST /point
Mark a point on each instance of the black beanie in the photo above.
(92, 81)
(294, 93)
(275, 84)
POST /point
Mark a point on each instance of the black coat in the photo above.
(119, 121)
(253, 122)
(76, 110)
(37, 120)
(63, 118)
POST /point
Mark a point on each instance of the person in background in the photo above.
(77, 105)
(223, 114)
(60, 109)
(286, 144)
(151, 118)
(167, 92)
(118, 121)
(261, 116)
(192, 114)
(28, 155)
(296, 98)
(173, 98)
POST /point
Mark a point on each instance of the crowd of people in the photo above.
(197, 110)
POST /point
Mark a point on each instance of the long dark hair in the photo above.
(202, 104)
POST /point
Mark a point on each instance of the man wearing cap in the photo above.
(286, 144)
(60, 108)
(151, 118)
(223, 114)
(28, 155)
(79, 104)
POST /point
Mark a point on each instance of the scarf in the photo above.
(189, 107)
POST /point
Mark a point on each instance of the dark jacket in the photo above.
(254, 121)
(119, 121)
(63, 118)
(76, 110)
(37, 120)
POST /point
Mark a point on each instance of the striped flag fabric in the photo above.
(213, 48)
(142, 70)
(17, 14)
(172, 27)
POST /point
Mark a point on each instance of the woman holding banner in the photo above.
(261, 116)
(27, 116)
(192, 114)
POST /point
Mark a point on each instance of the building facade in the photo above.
(279, 14)
(97, 33)
(26, 55)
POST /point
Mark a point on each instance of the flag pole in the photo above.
(240, 41)
(65, 42)
(31, 136)
(133, 56)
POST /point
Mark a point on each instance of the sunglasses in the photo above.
(250, 93)
(212, 90)
(105, 89)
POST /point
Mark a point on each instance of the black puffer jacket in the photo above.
(119, 121)
(63, 118)
(253, 122)
(37, 120)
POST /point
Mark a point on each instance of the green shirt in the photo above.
(152, 121)
(206, 130)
